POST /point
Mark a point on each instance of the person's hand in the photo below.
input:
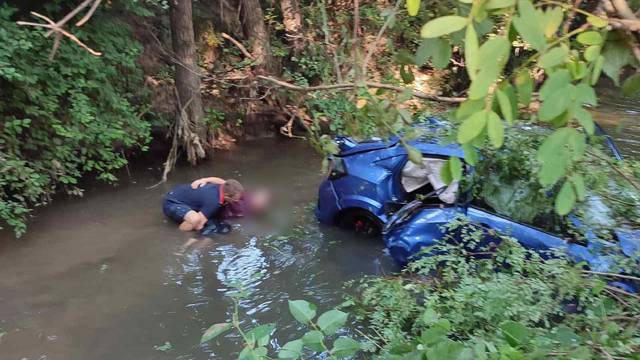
(198, 183)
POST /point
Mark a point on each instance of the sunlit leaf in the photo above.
(470, 154)
(213, 331)
(472, 127)
(592, 53)
(515, 333)
(529, 26)
(412, 7)
(554, 105)
(442, 55)
(260, 334)
(551, 21)
(565, 199)
(505, 106)
(590, 38)
(597, 21)
(415, 156)
(585, 119)
(443, 25)
(559, 79)
(495, 130)
(597, 69)
(499, 4)
(579, 187)
(455, 166)
(471, 49)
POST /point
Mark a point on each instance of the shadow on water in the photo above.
(107, 277)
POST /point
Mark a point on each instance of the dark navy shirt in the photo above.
(205, 199)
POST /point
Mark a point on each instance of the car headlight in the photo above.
(337, 169)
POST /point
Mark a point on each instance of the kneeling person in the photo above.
(193, 207)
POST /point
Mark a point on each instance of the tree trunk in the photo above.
(292, 20)
(192, 130)
(255, 30)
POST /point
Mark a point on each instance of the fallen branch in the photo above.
(349, 86)
(628, 277)
(238, 45)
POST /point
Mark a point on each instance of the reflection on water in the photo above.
(106, 277)
(620, 117)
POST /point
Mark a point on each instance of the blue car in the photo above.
(373, 188)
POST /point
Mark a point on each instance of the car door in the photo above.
(529, 236)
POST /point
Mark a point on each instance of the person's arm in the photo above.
(208, 180)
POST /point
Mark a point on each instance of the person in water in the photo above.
(250, 202)
(193, 205)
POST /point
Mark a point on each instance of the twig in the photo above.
(70, 15)
(238, 44)
(620, 291)
(89, 13)
(620, 300)
(349, 86)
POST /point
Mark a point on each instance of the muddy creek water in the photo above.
(107, 277)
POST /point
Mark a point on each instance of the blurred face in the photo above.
(260, 200)
(232, 198)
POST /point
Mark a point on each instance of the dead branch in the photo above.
(349, 86)
(621, 276)
(56, 27)
(238, 45)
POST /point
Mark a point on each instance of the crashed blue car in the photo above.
(373, 188)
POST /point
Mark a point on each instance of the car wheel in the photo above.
(361, 222)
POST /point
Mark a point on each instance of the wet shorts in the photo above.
(174, 209)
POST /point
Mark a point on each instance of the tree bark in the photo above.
(187, 79)
(255, 30)
(292, 20)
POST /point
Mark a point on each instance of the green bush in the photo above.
(496, 303)
(64, 118)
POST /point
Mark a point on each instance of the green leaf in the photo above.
(529, 26)
(597, 21)
(345, 347)
(585, 119)
(566, 199)
(213, 331)
(497, 49)
(515, 333)
(551, 21)
(472, 127)
(585, 94)
(631, 86)
(499, 4)
(578, 185)
(590, 38)
(559, 79)
(495, 130)
(313, 340)
(406, 74)
(553, 57)
(445, 174)
(455, 167)
(524, 86)
(597, 69)
(412, 7)
(302, 310)
(260, 334)
(426, 49)
(554, 105)
(592, 53)
(471, 49)
(291, 350)
(415, 156)
(442, 55)
(470, 154)
(331, 321)
(616, 56)
(443, 25)
(505, 106)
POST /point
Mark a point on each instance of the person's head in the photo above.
(232, 190)
(260, 200)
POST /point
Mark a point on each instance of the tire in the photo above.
(360, 221)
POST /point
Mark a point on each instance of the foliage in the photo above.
(312, 343)
(64, 118)
(466, 300)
